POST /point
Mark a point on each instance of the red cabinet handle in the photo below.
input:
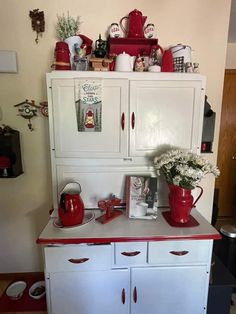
(179, 253)
(135, 295)
(130, 253)
(132, 120)
(123, 121)
(78, 260)
(123, 296)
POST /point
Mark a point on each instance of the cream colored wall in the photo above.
(25, 200)
(231, 56)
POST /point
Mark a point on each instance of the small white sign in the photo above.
(8, 61)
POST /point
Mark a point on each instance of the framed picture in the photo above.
(89, 105)
(140, 192)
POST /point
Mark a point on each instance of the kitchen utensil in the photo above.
(124, 62)
(136, 22)
(62, 56)
(140, 209)
(167, 61)
(182, 51)
(71, 42)
(71, 207)
(108, 207)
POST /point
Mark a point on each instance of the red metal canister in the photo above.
(62, 56)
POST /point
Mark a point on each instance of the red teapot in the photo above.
(136, 23)
(71, 206)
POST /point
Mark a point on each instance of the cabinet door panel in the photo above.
(90, 292)
(110, 142)
(165, 290)
(164, 114)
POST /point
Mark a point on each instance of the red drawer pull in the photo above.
(78, 260)
(123, 121)
(131, 253)
(123, 296)
(179, 253)
(133, 120)
(135, 295)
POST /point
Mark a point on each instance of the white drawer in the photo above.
(179, 252)
(130, 253)
(79, 257)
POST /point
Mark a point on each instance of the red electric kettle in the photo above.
(136, 23)
(71, 206)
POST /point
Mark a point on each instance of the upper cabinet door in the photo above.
(109, 139)
(165, 114)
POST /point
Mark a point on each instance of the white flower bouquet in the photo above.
(184, 169)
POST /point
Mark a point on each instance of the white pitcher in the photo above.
(124, 62)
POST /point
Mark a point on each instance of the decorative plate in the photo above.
(87, 218)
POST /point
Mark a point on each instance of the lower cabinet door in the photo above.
(95, 292)
(169, 290)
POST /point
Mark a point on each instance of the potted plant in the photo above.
(67, 30)
(67, 26)
(183, 172)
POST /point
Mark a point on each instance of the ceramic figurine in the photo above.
(114, 31)
(139, 66)
(100, 50)
(149, 31)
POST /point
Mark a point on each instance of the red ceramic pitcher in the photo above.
(71, 207)
(181, 203)
(135, 22)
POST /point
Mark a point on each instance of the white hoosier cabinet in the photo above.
(140, 114)
(128, 266)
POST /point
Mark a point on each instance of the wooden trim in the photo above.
(230, 71)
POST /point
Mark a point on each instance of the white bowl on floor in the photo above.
(16, 289)
(37, 290)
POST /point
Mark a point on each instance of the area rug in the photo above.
(26, 303)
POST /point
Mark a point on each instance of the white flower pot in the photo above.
(71, 41)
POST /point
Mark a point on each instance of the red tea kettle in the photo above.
(71, 206)
(136, 23)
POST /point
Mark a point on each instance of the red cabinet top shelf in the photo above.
(132, 46)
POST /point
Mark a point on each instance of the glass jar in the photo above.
(155, 56)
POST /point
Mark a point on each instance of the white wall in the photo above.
(25, 201)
